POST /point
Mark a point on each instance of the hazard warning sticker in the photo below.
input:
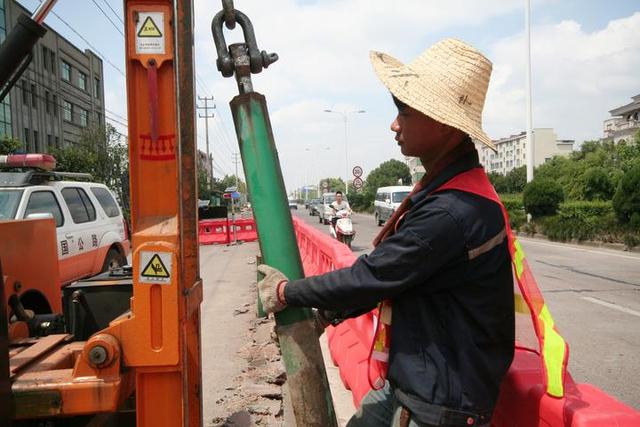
(150, 34)
(155, 267)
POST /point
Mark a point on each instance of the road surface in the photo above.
(594, 296)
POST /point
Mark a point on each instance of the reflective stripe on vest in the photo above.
(554, 350)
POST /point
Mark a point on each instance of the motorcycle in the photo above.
(341, 227)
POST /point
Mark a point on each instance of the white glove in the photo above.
(271, 289)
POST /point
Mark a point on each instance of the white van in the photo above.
(387, 201)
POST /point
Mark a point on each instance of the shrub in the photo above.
(626, 201)
(581, 220)
(542, 197)
(597, 184)
(515, 208)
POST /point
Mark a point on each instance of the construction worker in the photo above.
(441, 269)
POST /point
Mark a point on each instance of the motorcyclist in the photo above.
(337, 205)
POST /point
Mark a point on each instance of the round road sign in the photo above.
(357, 183)
(357, 171)
(325, 184)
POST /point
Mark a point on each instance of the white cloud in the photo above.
(577, 78)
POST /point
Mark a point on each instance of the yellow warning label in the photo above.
(155, 268)
(149, 29)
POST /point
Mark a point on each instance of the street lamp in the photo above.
(345, 114)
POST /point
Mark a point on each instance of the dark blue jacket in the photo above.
(448, 273)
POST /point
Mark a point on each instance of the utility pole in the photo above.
(206, 116)
(530, 136)
(236, 162)
(345, 114)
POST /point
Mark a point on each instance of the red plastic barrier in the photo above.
(220, 231)
(522, 401)
(213, 231)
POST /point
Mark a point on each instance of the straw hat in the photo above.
(447, 82)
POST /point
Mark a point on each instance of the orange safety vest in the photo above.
(554, 350)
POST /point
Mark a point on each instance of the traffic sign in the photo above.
(357, 183)
(325, 184)
(357, 171)
(235, 195)
(230, 189)
(226, 195)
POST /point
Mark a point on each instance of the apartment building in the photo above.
(624, 122)
(512, 150)
(59, 94)
(415, 169)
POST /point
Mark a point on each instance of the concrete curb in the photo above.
(594, 244)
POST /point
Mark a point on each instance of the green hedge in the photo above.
(582, 220)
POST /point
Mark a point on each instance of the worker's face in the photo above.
(419, 135)
(339, 198)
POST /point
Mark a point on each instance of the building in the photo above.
(5, 106)
(204, 164)
(415, 169)
(58, 95)
(512, 150)
(624, 122)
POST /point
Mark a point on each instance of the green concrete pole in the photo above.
(306, 376)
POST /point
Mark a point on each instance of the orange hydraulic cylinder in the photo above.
(161, 337)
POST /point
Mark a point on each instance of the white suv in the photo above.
(91, 231)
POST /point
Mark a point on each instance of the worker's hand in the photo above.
(271, 289)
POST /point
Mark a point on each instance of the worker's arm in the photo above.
(427, 240)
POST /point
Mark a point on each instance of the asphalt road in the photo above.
(593, 295)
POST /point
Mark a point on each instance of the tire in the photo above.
(378, 221)
(347, 240)
(114, 259)
(319, 219)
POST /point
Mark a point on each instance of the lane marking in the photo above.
(613, 306)
(556, 245)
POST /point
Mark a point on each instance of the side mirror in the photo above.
(40, 215)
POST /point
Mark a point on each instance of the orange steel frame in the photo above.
(156, 345)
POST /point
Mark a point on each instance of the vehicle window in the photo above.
(9, 201)
(44, 202)
(399, 196)
(106, 201)
(88, 204)
(329, 199)
(77, 208)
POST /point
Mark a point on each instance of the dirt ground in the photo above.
(244, 382)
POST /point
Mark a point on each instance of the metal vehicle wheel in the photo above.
(114, 259)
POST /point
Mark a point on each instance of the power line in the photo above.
(102, 56)
(108, 18)
(117, 15)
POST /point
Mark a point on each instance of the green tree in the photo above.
(334, 184)
(101, 152)
(542, 197)
(515, 180)
(498, 181)
(386, 174)
(597, 184)
(9, 145)
(626, 201)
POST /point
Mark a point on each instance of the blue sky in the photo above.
(585, 60)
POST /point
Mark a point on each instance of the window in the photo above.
(34, 95)
(55, 105)
(45, 57)
(399, 197)
(47, 102)
(84, 114)
(9, 202)
(80, 207)
(57, 142)
(96, 88)
(106, 201)
(35, 141)
(26, 139)
(82, 80)
(98, 119)
(25, 93)
(49, 142)
(44, 202)
(53, 62)
(67, 111)
(66, 71)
